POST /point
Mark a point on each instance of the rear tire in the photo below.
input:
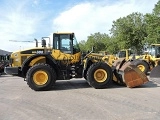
(99, 75)
(41, 77)
(143, 66)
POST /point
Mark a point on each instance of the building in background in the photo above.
(3, 52)
(4, 55)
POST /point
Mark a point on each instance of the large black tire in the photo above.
(41, 77)
(85, 74)
(142, 65)
(99, 75)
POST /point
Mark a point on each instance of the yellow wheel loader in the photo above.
(153, 58)
(42, 67)
(134, 59)
(149, 62)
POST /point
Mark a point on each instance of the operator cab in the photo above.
(155, 50)
(121, 54)
(66, 43)
(124, 53)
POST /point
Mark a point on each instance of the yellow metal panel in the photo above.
(66, 58)
(40, 59)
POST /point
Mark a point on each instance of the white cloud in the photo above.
(17, 23)
(36, 2)
(24, 20)
(91, 17)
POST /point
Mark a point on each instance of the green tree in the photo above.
(156, 9)
(153, 25)
(82, 45)
(130, 31)
(153, 28)
(98, 40)
(113, 46)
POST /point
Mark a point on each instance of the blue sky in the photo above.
(24, 20)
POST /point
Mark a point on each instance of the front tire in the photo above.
(99, 75)
(41, 77)
(143, 66)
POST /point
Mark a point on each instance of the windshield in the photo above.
(65, 45)
(152, 51)
(155, 51)
(121, 54)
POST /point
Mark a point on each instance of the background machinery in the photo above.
(42, 67)
(148, 62)
(4, 62)
(152, 57)
(134, 59)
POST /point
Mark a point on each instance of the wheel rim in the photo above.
(100, 75)
(141, 67)
(40, 77)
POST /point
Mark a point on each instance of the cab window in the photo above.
(65, 43)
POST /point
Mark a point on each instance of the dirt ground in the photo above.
(76, 100)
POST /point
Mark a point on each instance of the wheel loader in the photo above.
(65, 61)
(152, 57)
(148, 62)
(134, 59)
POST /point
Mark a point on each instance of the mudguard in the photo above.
(25, 64)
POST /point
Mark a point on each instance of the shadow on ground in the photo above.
(71, 84)
(81, 84)
(4, 75)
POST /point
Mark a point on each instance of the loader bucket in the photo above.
(155, 72)
(128, 74)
